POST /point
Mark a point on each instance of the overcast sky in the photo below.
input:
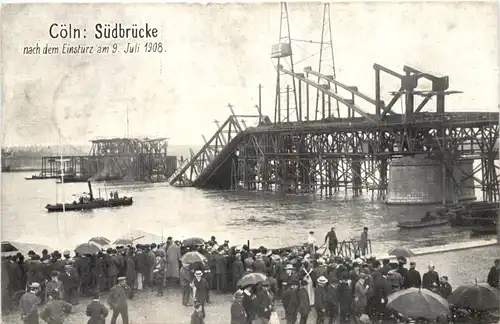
(218, 54)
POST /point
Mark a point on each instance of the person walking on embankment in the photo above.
(117, 300)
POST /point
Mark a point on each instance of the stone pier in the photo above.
(419, 180)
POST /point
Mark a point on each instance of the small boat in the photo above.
(41, 177)
(482, 231)
(91, 203)
(72, 178)
(424, 224)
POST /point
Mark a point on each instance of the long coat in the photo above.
(238, 315)
(173, 258)
(54, 311)
(97, 312)
(360, 299)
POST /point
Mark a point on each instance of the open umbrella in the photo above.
(193, 241)
(123, 242)
(478, 297)
(87, 248)
(251, 279)
(418, 303)
(100, 240)
(192, 257)
(401, 252)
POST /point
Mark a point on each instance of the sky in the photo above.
(218, 54)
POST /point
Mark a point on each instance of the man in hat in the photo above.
(173, 257)
(28, 304)
(55, 310)
(54, 285)
(304, 302)
(67, 257)
(291, 302)
(186, 278)
(238, 314)
(332, 240)
(220, 261)
(238, 269)
(332, 296)
(413, 276)
(320, 299)
(259, 265)
(200, 287)
(96, 311)
(445, 289)
(69, 281)
(117, 300)
(430, 279)
(265, 303)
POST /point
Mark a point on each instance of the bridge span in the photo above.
(329, 138)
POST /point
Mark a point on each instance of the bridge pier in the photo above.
(422, 180)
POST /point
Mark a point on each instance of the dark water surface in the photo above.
(272, 220)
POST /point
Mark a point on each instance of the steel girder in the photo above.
(357, 160)
(190, 169)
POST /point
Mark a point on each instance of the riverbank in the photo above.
(461, 266)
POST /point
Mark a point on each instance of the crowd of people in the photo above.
(335, 287)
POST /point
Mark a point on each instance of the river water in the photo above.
(273, 220)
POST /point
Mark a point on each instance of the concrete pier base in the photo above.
(419, 180)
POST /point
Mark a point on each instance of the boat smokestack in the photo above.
(90, 191)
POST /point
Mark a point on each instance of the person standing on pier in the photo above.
(311, 241)
(363, 242)
(332, 240)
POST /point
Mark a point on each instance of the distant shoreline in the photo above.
(23, 170)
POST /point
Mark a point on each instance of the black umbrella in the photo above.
(193, 241)
(87, 248)
(251, 279)
(192, 257)
(401, 252)
(418, 303)
(477, 297)
(100, 240)
(123, 242)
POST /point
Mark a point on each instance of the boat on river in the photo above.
(42, 177)
(91, 203)
(424, 224)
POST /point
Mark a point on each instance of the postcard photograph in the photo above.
(250, 163)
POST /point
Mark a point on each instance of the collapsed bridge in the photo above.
(322, 141)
